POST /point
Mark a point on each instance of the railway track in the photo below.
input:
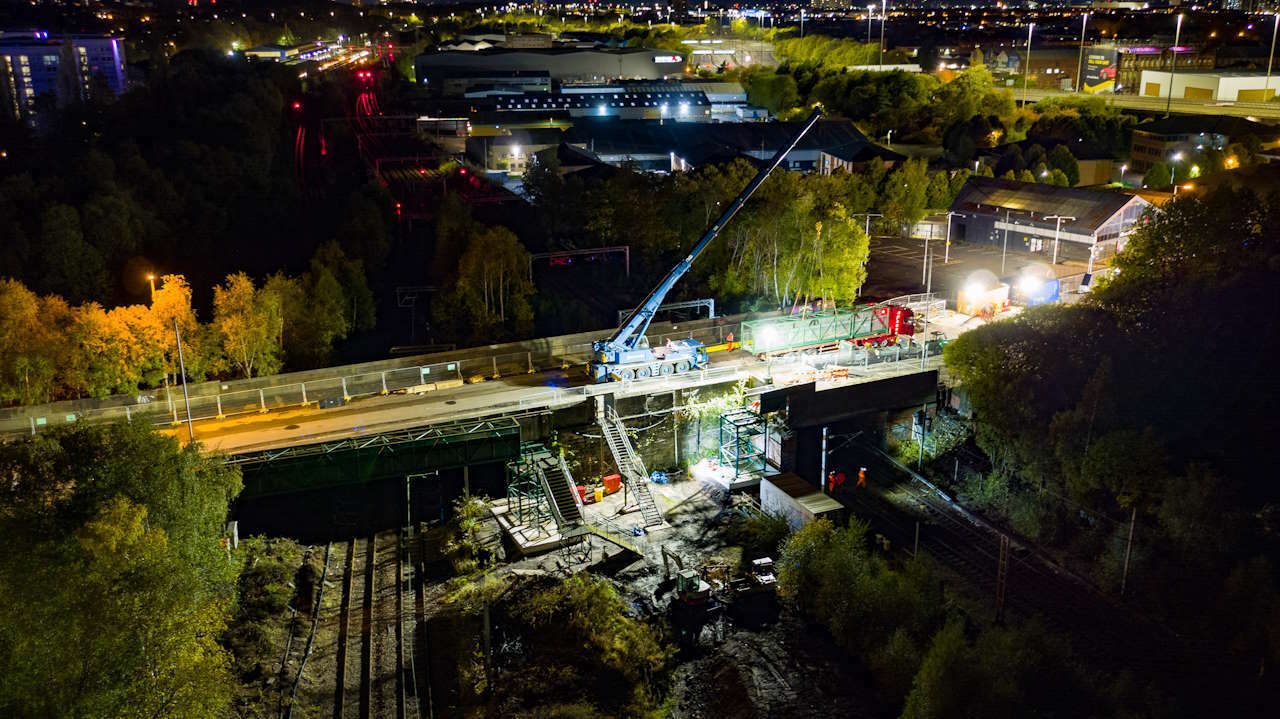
(364, 662)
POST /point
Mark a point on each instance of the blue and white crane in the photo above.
(627, 354)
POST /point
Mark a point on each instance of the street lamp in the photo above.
(151, 280)
(1004, 251)
(871, 9)
(884, 13)
(1057, 230)
(1026, 68)
(946, 254)
(1173, 69)
(1266, 89)
(1175, 158)
(1080, 61)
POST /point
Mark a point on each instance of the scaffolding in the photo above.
(739, 448)
(526, 494)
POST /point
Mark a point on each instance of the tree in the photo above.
(492, 283)
(28, 354)
(116, 589)
(938, 193)
(1058, 177)
(357, 299)
(776, 92)
(972, 93)
(312, 315)
(906, 191)
(1158, 175)
(363, 231)
(1080, 118)
(172, 302)
(839, 261)
(248, 324)
(68, 265)
(1060, 158)
(943, 684)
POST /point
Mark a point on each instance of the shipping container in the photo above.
(790, 497)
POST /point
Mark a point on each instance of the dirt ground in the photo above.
(788, 669)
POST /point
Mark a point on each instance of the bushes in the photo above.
(566, 648)
(896, 620)
(760, 535)
(882, 614)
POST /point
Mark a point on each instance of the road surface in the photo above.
(535, 392)
(1146, 103)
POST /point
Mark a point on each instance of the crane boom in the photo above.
(624, 345)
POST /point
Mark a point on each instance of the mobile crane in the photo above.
(627, 355)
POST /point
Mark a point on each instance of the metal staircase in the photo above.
(558, 484)
(629, 465)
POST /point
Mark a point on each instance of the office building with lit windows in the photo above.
(38, 68)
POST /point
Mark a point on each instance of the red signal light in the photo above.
(297, 105)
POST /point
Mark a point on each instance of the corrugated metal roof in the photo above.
(1091, 208)
(698, 140)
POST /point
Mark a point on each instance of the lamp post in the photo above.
(1266, 89)
(1080, 61)
(1173, 68)
(884, 13)
(946, 254)
(928, 292)
(151, 280)
(869, 215)
(1026, 67)
(1173, 170)
(871, 9)
(1005, 249)
(1057, 230)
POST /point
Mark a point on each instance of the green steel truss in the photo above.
(813, 329)
(395, 454)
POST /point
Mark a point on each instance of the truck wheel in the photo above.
(642, 372)
(682, 366)
(667, 370)
(627, 374)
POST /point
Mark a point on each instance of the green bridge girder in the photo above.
(383, 456)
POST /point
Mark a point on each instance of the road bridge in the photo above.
(1183, 106)
(392, 422)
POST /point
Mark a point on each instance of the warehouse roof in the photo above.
(696, 142)
(1091, 208)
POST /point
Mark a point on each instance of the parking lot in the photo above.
(896, 265)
